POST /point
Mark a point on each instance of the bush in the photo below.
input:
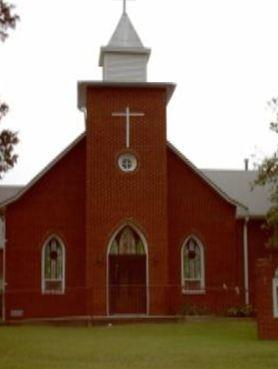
(240, 311)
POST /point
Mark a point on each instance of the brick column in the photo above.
(267, 323)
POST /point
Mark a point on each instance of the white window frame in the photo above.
(131, 159)
(202, 290)
(43, 279)
(274, 294)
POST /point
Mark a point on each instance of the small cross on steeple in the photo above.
(124, 5)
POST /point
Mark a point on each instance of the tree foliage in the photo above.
(7, 141)
(8, 138)
(268, 175)
(8, 20)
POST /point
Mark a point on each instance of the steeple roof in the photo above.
(125, 35)
(125, 58)
(125, 39)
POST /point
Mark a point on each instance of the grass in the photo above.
(197, 345)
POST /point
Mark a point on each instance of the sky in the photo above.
(222, 54)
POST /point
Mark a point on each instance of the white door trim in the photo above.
(131, 225)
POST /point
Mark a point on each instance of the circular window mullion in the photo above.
(127, 162)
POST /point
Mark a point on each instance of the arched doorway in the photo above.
(127, 273)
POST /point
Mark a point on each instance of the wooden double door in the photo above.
(127, 284)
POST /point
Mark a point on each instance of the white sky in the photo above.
(222, 54)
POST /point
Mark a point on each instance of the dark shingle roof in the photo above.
(238, 185)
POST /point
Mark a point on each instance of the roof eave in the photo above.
(251, 216)
(206, 179)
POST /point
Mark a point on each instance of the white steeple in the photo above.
(125, 58)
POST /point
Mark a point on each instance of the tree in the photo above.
(7, 141)
(268, 175)
(8, 138)
(8, 20)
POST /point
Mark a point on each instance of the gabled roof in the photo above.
(22, 190)
(125, 40)
(238, 184)
(233, 186)
(125, 35)
(206, 179)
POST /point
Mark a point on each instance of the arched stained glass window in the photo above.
(193, 274)
(53, 266)
(127, 242)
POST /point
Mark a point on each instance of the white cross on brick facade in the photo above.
(127, 114)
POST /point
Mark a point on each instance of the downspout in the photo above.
(4, 271)
(246, 258)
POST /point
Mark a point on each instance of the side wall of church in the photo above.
(54, 205)
(266, 269)
(196, 209)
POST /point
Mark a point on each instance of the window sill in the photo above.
(53, 292)
(193, 292)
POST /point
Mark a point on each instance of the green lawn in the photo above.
(205, 345)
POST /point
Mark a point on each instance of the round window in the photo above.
(127, 162)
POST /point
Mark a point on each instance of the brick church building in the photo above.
(121, 223)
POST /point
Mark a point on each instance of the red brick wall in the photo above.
(257, 240)
(114, 197)
(267, 324)
(240, 257)
(55, 204)
(85, 198)
(195, 208)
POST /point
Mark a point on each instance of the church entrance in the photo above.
(127, 263)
